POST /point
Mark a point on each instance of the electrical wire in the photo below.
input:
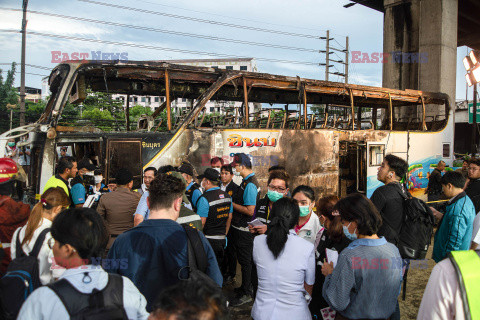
(178, 33)
(225, 24)
(28, 65)
(140, 46)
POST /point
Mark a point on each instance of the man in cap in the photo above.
(78, 186)
(193, 191)
(117, 207)
(13, 214)
(215, 209)
(244, 202)
(66, 169)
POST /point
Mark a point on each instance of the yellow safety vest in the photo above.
(467, 266)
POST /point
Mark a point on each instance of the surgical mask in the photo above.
(11, 144)
(217, 169)
(304, 211)
(202, 188)
(351, 236)
(98, 179)
(274, 195)
(235, 172)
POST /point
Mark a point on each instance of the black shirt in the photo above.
(473, 192)
(434, 186)
(389, 202)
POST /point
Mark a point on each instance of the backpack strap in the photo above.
(39, 242)
(198, 256)
(18, 246)
(75, 301)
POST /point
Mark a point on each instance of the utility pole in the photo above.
(327, 59)
(22, 67)
(346, 60)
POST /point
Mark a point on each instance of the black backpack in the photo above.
(197, 257)
(105, 304)
(22, 277)
(417, 228)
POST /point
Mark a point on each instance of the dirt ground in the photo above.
(417, 279)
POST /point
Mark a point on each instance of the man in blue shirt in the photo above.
(156, 249)
(79, 189)
(193, 191)
(244, 202)
(215, 209)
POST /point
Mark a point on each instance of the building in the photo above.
(31, 94)
(182, 105)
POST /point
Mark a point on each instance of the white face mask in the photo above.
(98, 179)
(235, 172)
(218, 169)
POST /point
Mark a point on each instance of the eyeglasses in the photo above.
(278, 189)
(51, 243)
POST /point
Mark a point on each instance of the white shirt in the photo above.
(24, 160)
(310, 230)
(476, 229)
(43, 303)
(281, 281)
(442, 298)
(45, 256)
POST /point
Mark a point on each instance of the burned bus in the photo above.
(331, 136)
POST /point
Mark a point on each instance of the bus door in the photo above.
(375, 155)
(352, 167)
(124, 154)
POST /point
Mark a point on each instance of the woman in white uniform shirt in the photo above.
(51, 203)
(285, 265)
(308, 225)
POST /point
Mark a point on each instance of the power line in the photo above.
(184, 34)
(29, 65)
(141, 46)
(36, 74)
(224, 16)
(225, 24)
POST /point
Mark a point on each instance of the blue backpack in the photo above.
(21, 279)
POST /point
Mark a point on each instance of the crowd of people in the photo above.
(164, 251)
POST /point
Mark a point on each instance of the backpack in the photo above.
(105, 304)
(22, 277)
(197, 257)
(417, 228)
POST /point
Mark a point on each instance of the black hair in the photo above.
(151, 169)
(278, 174)
(165, 169)
(475, 161)
(164, 190)
(65, 163)
(286, 213)
(455, 178)
(398, 165)
(325, 207)
(306, 190)
(83, 229)
(8, 188)
(273, 168)
(356, 207)
(227, 167)
(193, 299)
(216, 159)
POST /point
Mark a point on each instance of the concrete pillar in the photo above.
(438, 39)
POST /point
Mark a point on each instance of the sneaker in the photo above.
(241, 300)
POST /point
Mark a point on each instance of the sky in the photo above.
(362, 25)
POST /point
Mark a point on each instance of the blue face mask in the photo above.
(350, 236)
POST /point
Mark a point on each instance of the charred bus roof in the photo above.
(157, 78)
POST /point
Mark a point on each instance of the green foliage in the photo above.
(8, 95)
(97, 114)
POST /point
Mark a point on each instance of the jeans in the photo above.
(243, 245)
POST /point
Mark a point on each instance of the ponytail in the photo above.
(286, 213)
(51, 198)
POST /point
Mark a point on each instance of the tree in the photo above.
(8, 95)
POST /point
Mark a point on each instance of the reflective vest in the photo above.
(467, 266)
(219, 204)
(240, 220)
(189, 194)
